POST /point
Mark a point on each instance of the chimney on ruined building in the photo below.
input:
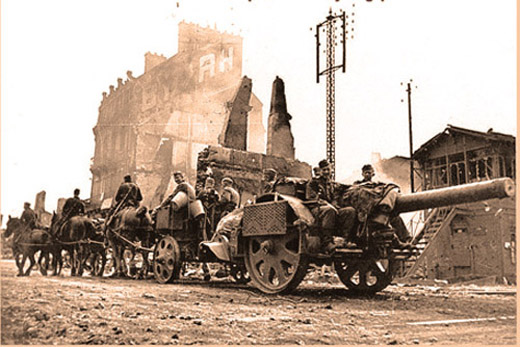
(280, 141)
(151, 60)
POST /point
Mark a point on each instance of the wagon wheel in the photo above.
(365, 276)
(239, 273)
(167, 260)
(274, 262)
(98, 263)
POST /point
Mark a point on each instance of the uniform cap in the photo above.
(367, 167)
(323, 164)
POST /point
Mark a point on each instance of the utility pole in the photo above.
(410, 133)
(329, 26)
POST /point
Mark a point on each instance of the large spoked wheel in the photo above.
(167, 260)
(274, 262)
(365, 276)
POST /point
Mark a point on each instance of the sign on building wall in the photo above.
(210, 64)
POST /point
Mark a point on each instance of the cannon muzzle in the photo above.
(472, 192)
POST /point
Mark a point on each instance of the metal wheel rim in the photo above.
(281, 269)
(166, 260)
(366, 275)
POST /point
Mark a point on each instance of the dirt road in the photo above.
(72, 310)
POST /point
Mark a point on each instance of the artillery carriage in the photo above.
(275, 238)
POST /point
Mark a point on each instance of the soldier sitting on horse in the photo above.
(128, 194)
(28, 216)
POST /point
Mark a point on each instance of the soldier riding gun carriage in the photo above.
(275, 238)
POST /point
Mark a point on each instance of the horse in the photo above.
(26, 242)
(95, 257)
(124, 229)
(72, 235)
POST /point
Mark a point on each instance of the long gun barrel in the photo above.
(472, 192)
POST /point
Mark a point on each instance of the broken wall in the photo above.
(183, 100)
(246, 169)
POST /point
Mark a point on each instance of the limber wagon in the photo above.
(272, 241)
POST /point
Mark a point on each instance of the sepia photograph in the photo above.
(258, 172)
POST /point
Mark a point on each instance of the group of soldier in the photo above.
(334, 213)
(339, 210)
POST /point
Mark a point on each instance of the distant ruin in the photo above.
(156, 123)
(280, 141)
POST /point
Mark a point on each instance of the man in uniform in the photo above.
(367, 171)
(316, 172)
(386, 205)
(182, 186)
(28, 216)
(73, 206)
(209, 197)
(324, 212)
(269, 180)
(229, 197)
(128, 194)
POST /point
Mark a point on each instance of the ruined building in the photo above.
(156, 123)
(467, 240)
(280, 141)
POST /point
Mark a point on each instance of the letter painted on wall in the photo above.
(207, 63)
(226, 62)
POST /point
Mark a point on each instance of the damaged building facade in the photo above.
(151, 125)
(194, 102)
(468, 240)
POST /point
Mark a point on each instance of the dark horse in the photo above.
(127, 227)
(26, 242)
(73, 235)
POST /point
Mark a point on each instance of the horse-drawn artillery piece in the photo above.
(274, 238)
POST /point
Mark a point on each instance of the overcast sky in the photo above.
(57, 57)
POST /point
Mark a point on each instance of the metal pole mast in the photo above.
(331, 95)
(410, 132)
(409, 90)
(330, 29)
